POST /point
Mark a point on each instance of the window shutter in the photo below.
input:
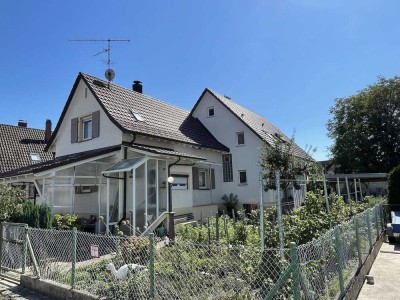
(195, 174)
(212, 179)
(74, 130)
(95, 124)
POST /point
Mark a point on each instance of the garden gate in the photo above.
(14, 247)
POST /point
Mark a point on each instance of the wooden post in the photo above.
(361, 194)
(355, 189)
(326, 196)
(368, 229)
(348, 194)
(358, 241)
(171, 226)
(208, 231)
(25, 248)
(338, 185)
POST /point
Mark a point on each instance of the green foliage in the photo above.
(11, 200)
(366, 129)
(230, 202)
(38, 216)
(66, 221)
(302, 225)
(394, 186)
(281, 157)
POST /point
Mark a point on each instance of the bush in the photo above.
(11, 200)
(230, 202)
(66, 221)
(394, 187)
(37, 216)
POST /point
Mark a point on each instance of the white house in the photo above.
(115, 148)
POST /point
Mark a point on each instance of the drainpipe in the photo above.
(125, 186)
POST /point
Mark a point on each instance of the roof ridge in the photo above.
(24, 128)
(132, 91)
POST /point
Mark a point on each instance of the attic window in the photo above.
(35, 157)
(137, 116)
(211, 112)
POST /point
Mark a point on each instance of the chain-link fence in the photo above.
(118, 267)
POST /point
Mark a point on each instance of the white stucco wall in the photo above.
(110, 134)
(224, 125)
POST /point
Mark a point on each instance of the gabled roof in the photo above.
(160, 119)
(264, 129)
(16, 145)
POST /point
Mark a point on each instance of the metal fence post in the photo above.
(339, 259)
(25, 248)
(151, 266)
(376, 222)
(73, 269)
(368, 228)
(295, 266)
(358, 241)
(1, 245)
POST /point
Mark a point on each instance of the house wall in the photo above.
(224, 125)
(80, 105)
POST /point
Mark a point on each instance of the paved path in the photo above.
(386, 272)
(12, 291)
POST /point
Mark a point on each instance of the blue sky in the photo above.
(285, 59)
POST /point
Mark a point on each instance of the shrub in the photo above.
(394, 187)
(11, 200)
(66, 221)
(230, 202)
(38, 216)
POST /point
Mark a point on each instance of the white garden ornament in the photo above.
(122, 272)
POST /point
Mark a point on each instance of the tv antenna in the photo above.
(109, 74)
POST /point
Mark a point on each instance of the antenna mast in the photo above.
(109, 74)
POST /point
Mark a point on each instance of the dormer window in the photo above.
(211, 112)
(35, 157)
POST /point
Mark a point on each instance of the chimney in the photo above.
(137, 86)
(22, 123)
(47, 133)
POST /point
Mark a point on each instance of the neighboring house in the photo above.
(21, 146)
(115, 148)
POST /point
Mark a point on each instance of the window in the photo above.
(203, 179)
(227, 167)
(242, 177)
(86, 128)
(35, 157)
(211, 112)
(180, 182)
(240, 138)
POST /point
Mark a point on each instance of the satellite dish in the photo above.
(110, 74)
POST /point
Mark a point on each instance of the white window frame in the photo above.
(242, 171)
(35, 157)
(181, 182)
(237, 138)
(209, 109)
(206, 184)
(84, 120)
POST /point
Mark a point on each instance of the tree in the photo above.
(281, 157)
(366, 129)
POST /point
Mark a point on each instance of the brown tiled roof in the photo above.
(160, 119)
(165, 151)
(258, 124)
(59, 161)
(16, 145)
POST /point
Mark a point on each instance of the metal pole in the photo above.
(338, 185)
(326, 196)
(376, 222)
(339, 259)
(358, 241)
(368, 229)
(151, 266)
(261, 212)
(1, 245)
(278, 203)
(355, 189)
(295, 265)
(348, 193)
(25, 248)
(73, 269)
(361, 194)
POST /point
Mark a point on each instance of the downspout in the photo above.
(125, 185)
